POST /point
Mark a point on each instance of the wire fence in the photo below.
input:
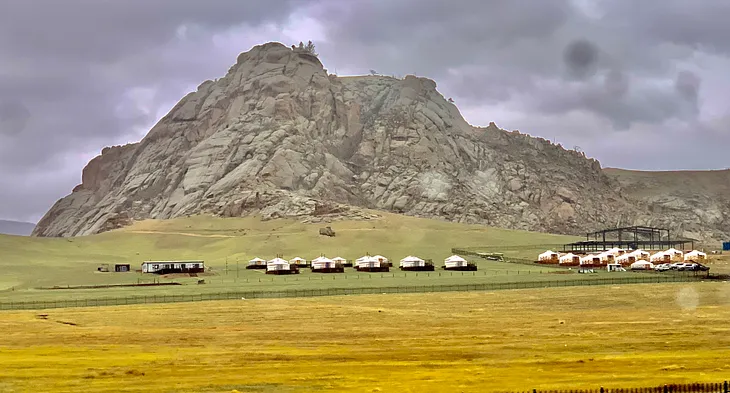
(304, 293)
(700, 387)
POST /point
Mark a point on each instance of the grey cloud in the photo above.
(581, 57)
(71, 64)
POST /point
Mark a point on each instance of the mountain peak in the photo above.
(279, 137)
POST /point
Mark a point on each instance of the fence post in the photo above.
(602, 391)
(725, 387)
(666, 389)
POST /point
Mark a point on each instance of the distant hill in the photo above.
(16, 228)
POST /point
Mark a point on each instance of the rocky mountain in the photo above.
(16, 228)
(695, 204)
(280, 137)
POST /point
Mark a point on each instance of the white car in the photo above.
(662, 267)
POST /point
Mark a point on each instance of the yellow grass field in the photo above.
(637, 335)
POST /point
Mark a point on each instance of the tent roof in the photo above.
(297, 259)
(257, 260)
(455, 258)
(674, 250)
(336, 259)
(411, 258)
(277, 261)
(321, 259)
(380, 257)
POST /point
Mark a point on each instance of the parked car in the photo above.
(676, 266)
(662, 267)
(697, 267)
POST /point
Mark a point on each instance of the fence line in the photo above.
(300, 293)
(698, 387)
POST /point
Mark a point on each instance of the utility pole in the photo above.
(236, 267)
(226, 266)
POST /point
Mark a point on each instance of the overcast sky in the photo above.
(635, 84)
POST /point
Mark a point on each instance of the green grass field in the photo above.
(31, 262)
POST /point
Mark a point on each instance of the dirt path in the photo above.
(182, 234)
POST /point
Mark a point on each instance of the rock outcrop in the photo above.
(280, 137)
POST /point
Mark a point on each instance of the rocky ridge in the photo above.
(280, 137)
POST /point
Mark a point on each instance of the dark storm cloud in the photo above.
(67, 69)
(580, 57)
(532, 53)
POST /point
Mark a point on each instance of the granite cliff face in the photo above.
(695, 204)
(280, 137)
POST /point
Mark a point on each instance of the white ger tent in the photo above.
(642, 265)
(695, 255)
(640, 254)
(298, 261)
(549, 256)
(411, 261)
(322, 263)
(277, 264)
(367, 262)
(675, 254)
(257, 261)
(455, 261)
(661, 257)
(339, 260)
(569, 259)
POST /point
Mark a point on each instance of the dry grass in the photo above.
(511, 340)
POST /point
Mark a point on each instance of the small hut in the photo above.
(256, 263)
(569, 259)
(642, 265)
(372, 264)
(660, 257)
(326, 265)
(695, 256)
(626, 259)
(342, 261)
(411, 263)
(280, 266)
(458, 263)
(298, 262)
(549, 257)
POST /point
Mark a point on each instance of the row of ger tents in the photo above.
(366, 263)
(636, 259)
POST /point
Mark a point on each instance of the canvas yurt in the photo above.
(590, 260)
(325, 265)
(458, 263)
(549, 257)
(280, 266)
(298, 262)
(616, 251)
(606, 258)
(383, 260)
(676, 255)
(640, 255)
(569, 259)
(411, 263)
(342, 261)
(660, 257)
(695, 256)
(256, 263)
(625, 260)
(642, 265)
(371, 264)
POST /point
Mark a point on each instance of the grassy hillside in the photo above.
(688, 184)
(33, 262)
(558, 338)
